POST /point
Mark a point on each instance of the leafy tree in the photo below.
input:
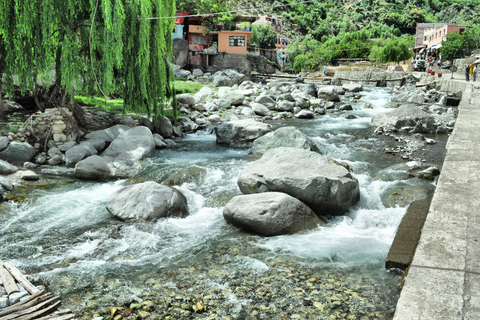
(394, 49)
(264, 36)
(471, 38)
(202, 6)
(453, 47)
(2, 63)
(107, 46)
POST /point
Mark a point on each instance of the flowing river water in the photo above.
(200, 267)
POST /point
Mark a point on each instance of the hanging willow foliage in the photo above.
(93, 45)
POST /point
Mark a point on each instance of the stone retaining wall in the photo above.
(55, 123)
(374, 77)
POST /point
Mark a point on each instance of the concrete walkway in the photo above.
(443, 281)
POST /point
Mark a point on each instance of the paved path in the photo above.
(443, 281)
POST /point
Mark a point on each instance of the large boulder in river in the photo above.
(128, 148)
(93, 168)
(241, 133)
(327, 188)
(412, 118)
(283, 137)
(147, 201)
(18, 152)
(270, 214)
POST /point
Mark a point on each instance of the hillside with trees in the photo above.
(322, 31)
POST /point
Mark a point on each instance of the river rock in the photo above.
(330, 93)
(305, 114)
(80, 152)
(54, 152)
(202, 94)
(260, 109)
(4, 141)
(234, 76)
(283, 137)
(410, 96)
(402, 194)
(327, 188)
(285, 105)
(66, 146)
(128, 148)
(5, 184)
(186, 98)
(187, 175)
(270, 214)
(241, 133)
(55, 160)
(411, 118)
(18, 152)
(147, 201)
(93, 168)
(352, 87)
(265, 100)
(310, 89)
(28, 175)
(164, 127)
(7, 168)
(107, 135)
(235, 99)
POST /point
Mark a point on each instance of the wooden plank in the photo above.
(20, 278)
(24, 311)
(40, 313)
(58, 316)
(8, 281)
(27, 303)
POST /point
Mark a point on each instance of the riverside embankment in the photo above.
(443, 280)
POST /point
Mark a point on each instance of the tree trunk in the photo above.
(2, 110)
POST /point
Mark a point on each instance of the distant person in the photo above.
(467, 72)
(475, 69)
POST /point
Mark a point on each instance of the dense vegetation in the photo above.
(95, 47)
(328, 30)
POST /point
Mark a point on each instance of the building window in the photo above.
(236, 41)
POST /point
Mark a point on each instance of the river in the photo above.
(200, 267)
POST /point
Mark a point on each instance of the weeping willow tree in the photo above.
(92, 46)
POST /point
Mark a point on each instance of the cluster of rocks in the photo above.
(228, 77)
(416, 110)
(274, 101)
(289, 189)
(113, 152)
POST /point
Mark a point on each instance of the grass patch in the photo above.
(109, 105)
(183, 86)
